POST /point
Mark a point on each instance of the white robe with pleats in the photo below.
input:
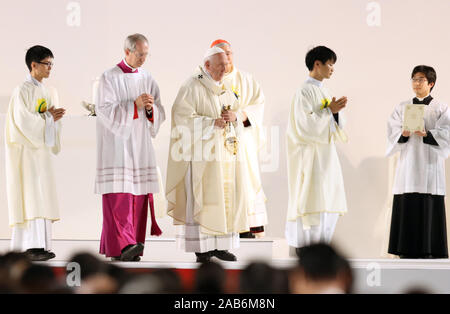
(31, 137)
(316, 187)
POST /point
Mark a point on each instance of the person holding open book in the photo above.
(422, 136)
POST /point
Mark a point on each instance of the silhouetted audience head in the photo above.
(210, 278)
(38, 279)
(97, 277)
(260, 277)
(89, 264)
(321, 270)
(161, 281)
(171, 281)
(12, 267)
(119, 274)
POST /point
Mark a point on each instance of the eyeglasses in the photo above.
(140, 55)
(49, 64)
(418, 80)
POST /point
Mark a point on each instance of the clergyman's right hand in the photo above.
(220, 123)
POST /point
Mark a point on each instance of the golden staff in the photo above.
(231, 141)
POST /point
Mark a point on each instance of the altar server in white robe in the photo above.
(418, 223)
(206, 169)
(129, 114)
(316, 186)
(250, 106)
(32, 135)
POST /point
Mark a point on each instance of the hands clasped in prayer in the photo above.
(145, 101)
(227, 116)
(57, 113)
(338, 105)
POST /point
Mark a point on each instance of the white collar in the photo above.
(420, 99)
(125, 62)
(313, 81)
(33, 80)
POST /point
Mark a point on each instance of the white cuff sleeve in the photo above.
(50, 130)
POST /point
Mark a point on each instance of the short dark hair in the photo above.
(321, 262)
(319, 53)
(210, 278)
(89, 263)
(37, 54)
(428, 71)
(261, 278)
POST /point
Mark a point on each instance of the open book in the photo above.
(413, 118)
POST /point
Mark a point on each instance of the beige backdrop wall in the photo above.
(377, 43)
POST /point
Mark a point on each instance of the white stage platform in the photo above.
(165, 249)
(371, 275)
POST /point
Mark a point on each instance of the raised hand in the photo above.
(337, 105)
(145, 101)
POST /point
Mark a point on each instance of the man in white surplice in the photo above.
(129, 113)
(31, 136)
(316, 187)
(418, 220)
(206, 172)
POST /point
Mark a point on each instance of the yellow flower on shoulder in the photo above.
(41, 105)
(325, 103)
(235, 91)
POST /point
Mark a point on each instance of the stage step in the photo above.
(165, 249)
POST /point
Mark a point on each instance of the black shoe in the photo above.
(31, 252)
(50, 255)
(224, 255)
(131, 251)
(247, 235)
(39, 255)
(203, 257)
(117, 259)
